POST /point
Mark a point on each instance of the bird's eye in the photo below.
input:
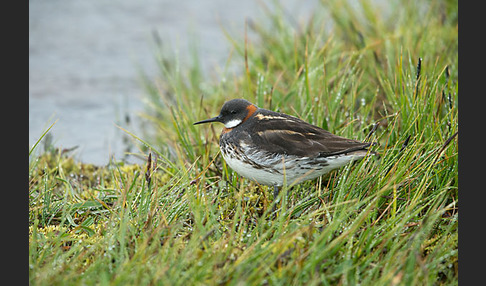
(233, 111)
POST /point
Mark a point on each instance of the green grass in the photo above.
(185, 218)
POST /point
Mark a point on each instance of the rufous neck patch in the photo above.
(251, 110)
(226, 130)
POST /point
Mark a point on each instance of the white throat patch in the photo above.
(232, 123)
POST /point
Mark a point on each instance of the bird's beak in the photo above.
(214, 119)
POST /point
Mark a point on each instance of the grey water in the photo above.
(85, 59)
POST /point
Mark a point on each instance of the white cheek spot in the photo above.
(232, 123)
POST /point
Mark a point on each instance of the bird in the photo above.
(274, 149)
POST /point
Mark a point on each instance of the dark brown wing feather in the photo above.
(284, 134)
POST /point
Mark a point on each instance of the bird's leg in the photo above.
(275, 201)
(275, 192)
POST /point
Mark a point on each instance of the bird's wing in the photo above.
(284, 134)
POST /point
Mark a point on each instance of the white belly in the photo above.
(261, 176)
(292, 170)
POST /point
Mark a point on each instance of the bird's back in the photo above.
(284, 134)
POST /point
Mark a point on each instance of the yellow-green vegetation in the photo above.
(184, 218)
